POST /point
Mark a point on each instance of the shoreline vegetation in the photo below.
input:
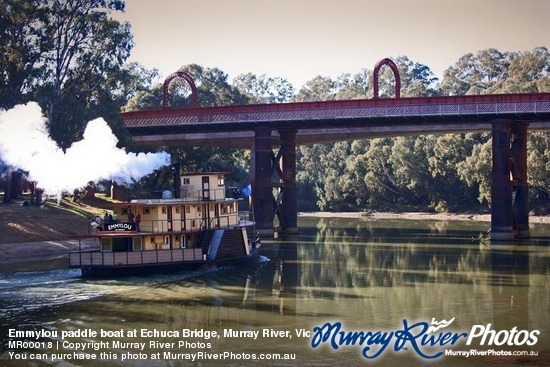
(41, 233)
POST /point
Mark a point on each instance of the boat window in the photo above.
(146, 210)
(106, 244)
(137, 244)
(221, 180)
(185, 181)
(124, 211)
(188, 209)
(177, 209)
(163, 210)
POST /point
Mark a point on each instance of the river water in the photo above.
(377, 276)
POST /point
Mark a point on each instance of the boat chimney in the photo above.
(177, 180)
(118, 192)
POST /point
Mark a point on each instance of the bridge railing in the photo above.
(369, 112)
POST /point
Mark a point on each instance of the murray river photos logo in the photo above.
(428, 341)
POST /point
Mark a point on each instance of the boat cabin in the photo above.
(200, 225)
(173, 222)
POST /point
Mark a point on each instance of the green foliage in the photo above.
(538, 170)
(213, 87)
(62, 53)
(317, 89)
(491, 71)
(21, 48)
(264, 89)
(475, 170)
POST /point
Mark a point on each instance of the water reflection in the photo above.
(369, 275)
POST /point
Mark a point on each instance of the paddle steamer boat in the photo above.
(202, 226)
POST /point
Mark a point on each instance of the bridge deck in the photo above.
(343, 118)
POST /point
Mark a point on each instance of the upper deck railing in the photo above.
(189, 195)
(121, 259)
(222, 221)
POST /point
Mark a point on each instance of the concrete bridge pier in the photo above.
(509, 191)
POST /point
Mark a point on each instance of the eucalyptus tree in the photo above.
(538, 170)
(86, 45)
(492, 71)
(320, 88)
(361, 174)
(354, 86)
(445, 154)
(475, 170)
(264, 89)
(475, 74)
(22, 44)
(417, 80)
(528, 72)
(60, 53)
(409, 161)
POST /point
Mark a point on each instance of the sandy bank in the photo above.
(415, 216)
(25, 251)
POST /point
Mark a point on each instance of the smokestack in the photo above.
(176, 167)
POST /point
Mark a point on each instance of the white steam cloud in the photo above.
(26, 144)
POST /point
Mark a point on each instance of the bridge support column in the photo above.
(262, 195)
(287, 205)
(501, 186)
(520, 188)
(509, 189)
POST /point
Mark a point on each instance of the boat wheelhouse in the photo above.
(200, 225)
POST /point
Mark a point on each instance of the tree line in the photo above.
(71, 57)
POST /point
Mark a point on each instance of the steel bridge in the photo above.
(263, 127)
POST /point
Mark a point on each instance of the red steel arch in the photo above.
(188, 79)
(393, 67)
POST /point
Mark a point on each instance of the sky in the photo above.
(300, 39)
